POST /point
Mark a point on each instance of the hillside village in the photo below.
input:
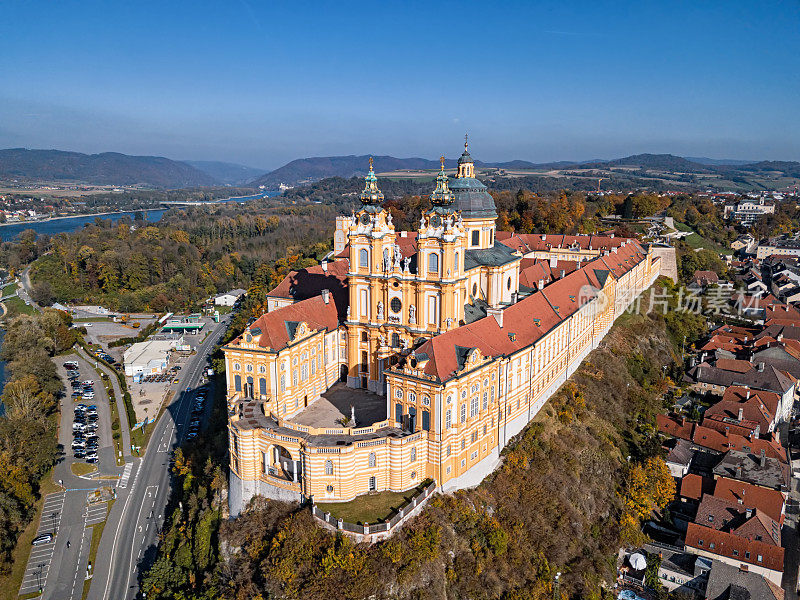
(730, 530)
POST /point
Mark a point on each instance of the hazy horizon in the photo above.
(264, 85)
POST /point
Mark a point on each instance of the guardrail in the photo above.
(384, 528)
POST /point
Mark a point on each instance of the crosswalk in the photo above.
(126, 475)
(38, 566)
(95, 513)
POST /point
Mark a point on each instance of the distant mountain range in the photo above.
(108, 168)
(224, 172)
(111, 168)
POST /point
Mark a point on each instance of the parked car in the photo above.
(42, 539)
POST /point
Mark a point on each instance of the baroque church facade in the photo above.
(455, 332)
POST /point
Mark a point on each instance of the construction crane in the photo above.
(599, 179)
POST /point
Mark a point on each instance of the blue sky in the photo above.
(262, 83)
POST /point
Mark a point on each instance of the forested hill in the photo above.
(306, 170)
(108, 168)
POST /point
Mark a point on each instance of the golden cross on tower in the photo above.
(466, 140)
(370, 163)
(442, 159)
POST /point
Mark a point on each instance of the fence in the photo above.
(377, 528)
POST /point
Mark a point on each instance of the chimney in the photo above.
(612, 236)
(763, 460)
(739, 472)
(761, 367)
(741, 414)
(563, 273)
(325, 265)
(541, 284)
(747, 397)
(497, 313)
(748, 513)
(544, 237)
(326, 296)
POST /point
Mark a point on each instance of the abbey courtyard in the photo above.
(416, 355)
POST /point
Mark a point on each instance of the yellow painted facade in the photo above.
(457, 387)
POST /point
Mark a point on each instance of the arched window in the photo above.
(237, 367)
(328, 467)
(363, 336)
(248, 368)
(433, 263)
(262, 369)
(262, 386)
(395, 340)
(372, 460)
(363, 257)
(413, 454)
(237, 383)
(448, 419)
(412, 397)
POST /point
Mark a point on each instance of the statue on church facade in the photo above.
(380, 310)
(412, 314)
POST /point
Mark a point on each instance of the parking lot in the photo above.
(41, 555)
(85, 432)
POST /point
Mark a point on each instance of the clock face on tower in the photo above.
(365, 219)
(436, 221)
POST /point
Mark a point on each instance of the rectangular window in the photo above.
(364, 303)
(426, 420)
(473, 406)
(398, 413)
(448, 450)
(433, 316)
(476, 237)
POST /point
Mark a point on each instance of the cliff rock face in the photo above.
(554, 505)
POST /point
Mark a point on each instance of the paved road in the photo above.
(130, 537)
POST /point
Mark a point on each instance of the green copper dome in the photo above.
(371, 193)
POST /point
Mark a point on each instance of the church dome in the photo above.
(470, 195)
(472, 199)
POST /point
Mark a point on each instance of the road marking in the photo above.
(38, 566)
(126, 475)
(149, 492)
(116, 538)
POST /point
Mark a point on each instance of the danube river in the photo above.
(69, 224)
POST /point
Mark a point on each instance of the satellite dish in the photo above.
(638, 561)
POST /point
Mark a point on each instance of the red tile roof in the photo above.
(677, 427)
(693, 486)
(276, 327)
(752, 496)
(734, 547)
(309, 282)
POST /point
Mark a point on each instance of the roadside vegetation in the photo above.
(28, 446)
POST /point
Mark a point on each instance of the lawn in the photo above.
(695, 241)
(371, 508)
(9, 288)
(81, 468)
(17, 306)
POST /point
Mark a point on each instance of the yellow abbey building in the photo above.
(416, 354)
